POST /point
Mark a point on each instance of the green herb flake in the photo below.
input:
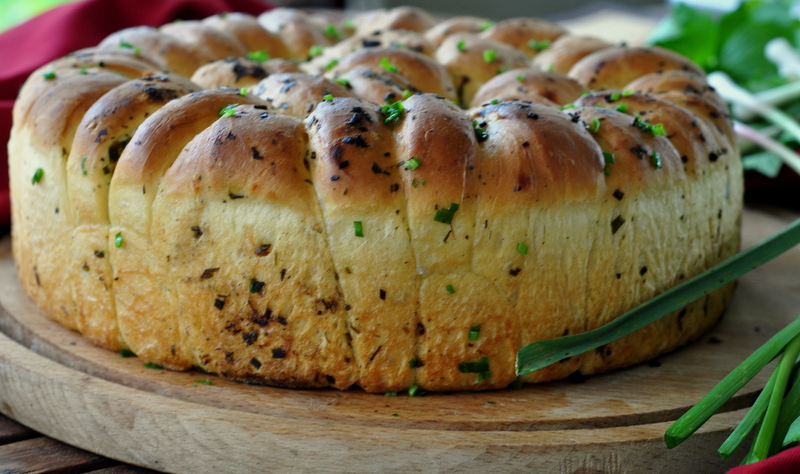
(568, 106)
(412, 363)
(521, 78)
(522, 248)
(474, 332)
(412, 164)
(484, 375)
(462, 45)
(658, 130)
(615, 96)
(407, 93)
(126, 353)
(480, 133)
(387, 65)
(328, 97)
(414, 182)
(622, 107)
(260, 56)
(204, 382)
(331, 64)
(315, 51)
(489, 55)
(494, 101)
(83, 166)
(487, 25)
(342, 81)
(608, 157)
(83, 71)
(49, 76)
(390, 394)
(228, 111)
(445, 216)
(480, 367)
(414, 390)
(118, 240)
(392, 111)
(150, 365)
(243, 91)
(332, 32)
(595, 126)
(656, 159)
(450, 289)
(358, 228)
(538, 45)
(37, 176)
(627, 92)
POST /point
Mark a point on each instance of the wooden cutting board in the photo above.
(56, 383)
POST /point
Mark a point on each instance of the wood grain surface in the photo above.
(56, 383)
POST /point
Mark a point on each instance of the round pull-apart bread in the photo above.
(292, 201)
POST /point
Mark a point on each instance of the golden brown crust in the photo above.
(529, 84)
(472, 60)
(458, 24)
(567, 50)
(296, 29)
(297, 94)
(249, 32)
(219, 43)
(676, 80)
(379, 86)
(398, 18)
(422, 72)
(613, 68)
(525, 34)
(230, 72)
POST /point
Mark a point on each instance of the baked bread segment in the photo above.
(297, 29)
(50, 106)
(219, 43)
(398, 18)
(529, 84)
(257, 292)
(529, 35)
(297, 94)
(249, 32)
(145, 297)
(458, 24)
(354, 168)
(560, 55)
(230, 72)
(104, 132)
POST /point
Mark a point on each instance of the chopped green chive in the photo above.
(627, 92)
(342, 81)
(153, 366)
(445, 216)
(82, 71)
(204, 382)
(358, 228)
(522, 248)
(407, 93)
(412, 363)
(126, 353)
(614, 96)
(568, 106)
(484, 375)
(260, 56)
(480, 132)
(622, 107)
(126, 45)
(538, 45)
(49, 76)
(387, 65)
(656, 159)
(474, 367)
(83, 166)
(474, 332)
(328, 97)
(595, 126)
(332, 32)
(315, 51)
(658, 130)
(412, 164)
(349, 24)
(228, 111)
(494, 101)
(521, 78)
(37, 176)
(414, 390)
(608, 157)
(414, 182)
(243, 91)
(331, 64)
(118, 240)
(392, 111)
(489, 55)
(461, 46)
(390, 394)
(487, 25)
(450, 289)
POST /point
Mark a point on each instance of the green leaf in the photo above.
(766, 163)
(742, 55)
(691, 32)
(753, 416)
(541, 354)
(790, 411)
(793, 435)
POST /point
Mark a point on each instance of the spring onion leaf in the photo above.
(489, 55)
(118, 240)
(260, 56)
(445, 216)
(450, 289)
(387, 65)
(37, 176)
(126, 353)
(474, 332)
(753, 416)
(358, 228)
(522, 248)
(541, 354)
(412, 164)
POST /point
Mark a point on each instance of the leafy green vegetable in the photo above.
(691, 32)
(767, 163)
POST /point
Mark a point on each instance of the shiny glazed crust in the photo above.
(324, 212)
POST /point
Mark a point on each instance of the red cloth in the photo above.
(78, 25)
(787, 462)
